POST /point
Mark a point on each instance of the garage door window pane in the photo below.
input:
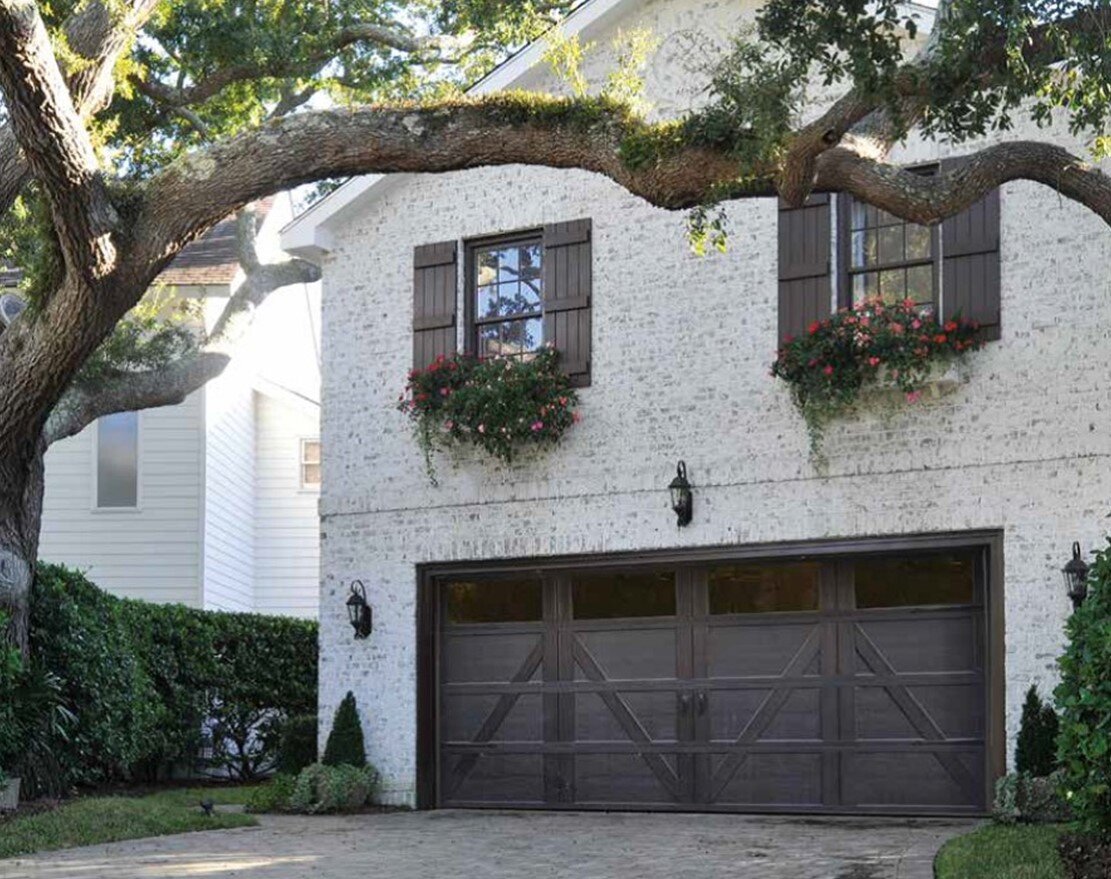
(117, 461)
(922, 581)
(608, 596)
(764, 588)
(493, 601)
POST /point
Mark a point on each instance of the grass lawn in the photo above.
(998, 852)
(92, 820)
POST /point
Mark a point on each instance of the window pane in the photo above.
(606, 596)
(489, 340)
(893, 285)
(117, 460)
(522, 336)
(487, 301)
(310, 451)
(764, 588)
(310, 475)
(865, 287)
(863, 215)
(918, 241)
(926, 580)
(487, 262)
(493, 601)
(920, 283)
(891, 245)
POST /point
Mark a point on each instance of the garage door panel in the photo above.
(490, 657)
(763, 780)
(494, 779)
(758, 651)
(655, 712)
(915, 644)
(465, 715)
(626, 654)
(601, 779)
(732, 712)
(909, 780)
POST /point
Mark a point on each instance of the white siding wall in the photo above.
(229, 510)
(287, 531)
(154, 552)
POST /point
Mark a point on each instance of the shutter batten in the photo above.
(970, 283)
(567, 269)
(435, 291)
(805, 288)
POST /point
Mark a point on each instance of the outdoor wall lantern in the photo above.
(682, 501)
(358, 611)
(1076, 577)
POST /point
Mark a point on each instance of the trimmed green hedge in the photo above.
(149, 683)
(1084, 702)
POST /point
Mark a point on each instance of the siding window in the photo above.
(310, 463)
(117, 461)
(506, 290)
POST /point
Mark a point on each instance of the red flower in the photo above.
(828, 370)
(941, 338)
(814, 327)
(951, 326)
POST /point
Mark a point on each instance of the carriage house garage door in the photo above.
(839, 683)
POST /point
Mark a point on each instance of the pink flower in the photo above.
(873, 361)
(444, 392)
(916, 324)
(828, 370)
(482, 428)
(537, 425)
(449, 424)
(914, 396)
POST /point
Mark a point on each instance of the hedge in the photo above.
(149, 683)
(1084, 702)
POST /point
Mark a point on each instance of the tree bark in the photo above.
(21, 488)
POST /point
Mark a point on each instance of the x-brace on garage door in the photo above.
(849, 685)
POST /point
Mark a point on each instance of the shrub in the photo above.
(273, 796)
(1036, 750)
(320, 788)
(1021, 798)
(298, 746)
(500, 405)
(345, 742)
(144, 679)
(1084, 700)
(829, 366)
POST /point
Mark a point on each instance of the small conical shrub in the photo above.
(1036, 749)
(345, 742)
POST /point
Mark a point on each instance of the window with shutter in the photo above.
(954, 272)
(804, 273)
(435, 290)
(529, 289)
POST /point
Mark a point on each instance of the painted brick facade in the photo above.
(682, 347)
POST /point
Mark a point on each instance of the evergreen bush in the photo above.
(345, 742)
(1036, 749)
(298, 746)
(321, 788)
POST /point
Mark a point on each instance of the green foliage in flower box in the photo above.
(839, 357)
(500, 405)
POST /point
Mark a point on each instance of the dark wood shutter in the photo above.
(434, 301)
(804, 279)
(567, 293)
(970, 262)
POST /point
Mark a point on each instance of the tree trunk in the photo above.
(21, 487)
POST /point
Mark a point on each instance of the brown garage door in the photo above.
(842, 686)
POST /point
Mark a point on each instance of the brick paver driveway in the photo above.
(536, 845)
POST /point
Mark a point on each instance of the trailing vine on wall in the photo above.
(500, 405)
(871, 343)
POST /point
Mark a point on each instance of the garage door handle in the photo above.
(702, 700)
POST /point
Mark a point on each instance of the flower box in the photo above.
(9, 794)
(942, 380)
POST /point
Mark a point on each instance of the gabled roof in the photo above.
(211, 260)
(309, 236)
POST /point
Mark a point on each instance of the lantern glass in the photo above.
(358, 611)
(682, 501)
(1076, 577)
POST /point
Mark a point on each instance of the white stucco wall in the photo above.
(682, 347)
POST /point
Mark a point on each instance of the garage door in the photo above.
(851, 685)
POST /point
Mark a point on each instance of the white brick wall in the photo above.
(680, 370)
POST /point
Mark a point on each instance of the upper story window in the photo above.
(310, 463)
(952, 270)
(889, 258)
(117, 461)
(519, 291)
(506, 287)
